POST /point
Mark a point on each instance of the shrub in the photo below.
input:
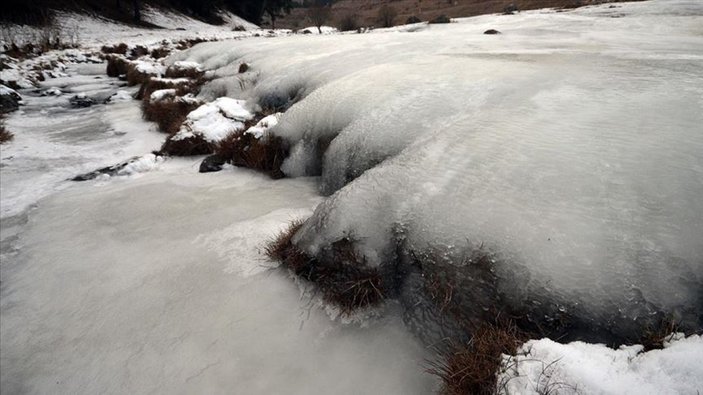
(441, 19)
(413, 19)
(510, 9)
(348, 22)
(387, 15)
(265, 154)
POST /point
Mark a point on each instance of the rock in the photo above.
(81, 101)
(413, 19)
(243, 68)
(491, 31)
(510, 9)
(212, 163)
(9, 99)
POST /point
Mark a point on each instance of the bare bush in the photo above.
(387, 15)
(348, 22)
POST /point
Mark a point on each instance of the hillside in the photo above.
(367, 10)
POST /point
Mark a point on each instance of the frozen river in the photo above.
(154, 282)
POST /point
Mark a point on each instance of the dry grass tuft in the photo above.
(116, 66)
(168, 114)
(654, 337)
(5, 135)
(190, 146)
(115, 49)
(471, 368)
(344, 280)
(265, 154)
(158, 53)
(134, 76)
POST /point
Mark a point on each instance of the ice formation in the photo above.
(568, 147)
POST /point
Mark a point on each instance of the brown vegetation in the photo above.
(120, 49)
(387, 15)
(154, 84)
(116, 66)
(5, 135)
(344, 280)
(168, 114)
(471, 367)
(189, 146)
(265, 154)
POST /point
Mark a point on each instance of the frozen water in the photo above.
(150, 285)
(569, 147)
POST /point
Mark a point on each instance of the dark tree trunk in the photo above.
(137, 13)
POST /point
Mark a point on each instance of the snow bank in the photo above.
(544, 366)
(214, 121)
(568, 147)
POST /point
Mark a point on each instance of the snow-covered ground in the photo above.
(569, 145)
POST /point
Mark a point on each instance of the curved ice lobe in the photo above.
(589, 202)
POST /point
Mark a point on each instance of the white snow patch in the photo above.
(144, 164)
(214, 121)
(585, 368)
(161, 94)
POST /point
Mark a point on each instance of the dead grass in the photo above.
(116, 66)
(151, 85)
(471, 367)
(158, 53)
(115, 49)
(654, 337)
(5, 135)
(168, 114)
(134, 76)
(190, 146)
(344, 279)
(265, 154)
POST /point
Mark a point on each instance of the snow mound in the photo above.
(542, 365)
(214, 121)
(120, 96)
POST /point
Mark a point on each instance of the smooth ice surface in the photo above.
(157, 285)
(544, 366)
(570, 146)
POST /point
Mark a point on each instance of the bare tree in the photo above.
(137, 13)
(319, 13)
(386, 15)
